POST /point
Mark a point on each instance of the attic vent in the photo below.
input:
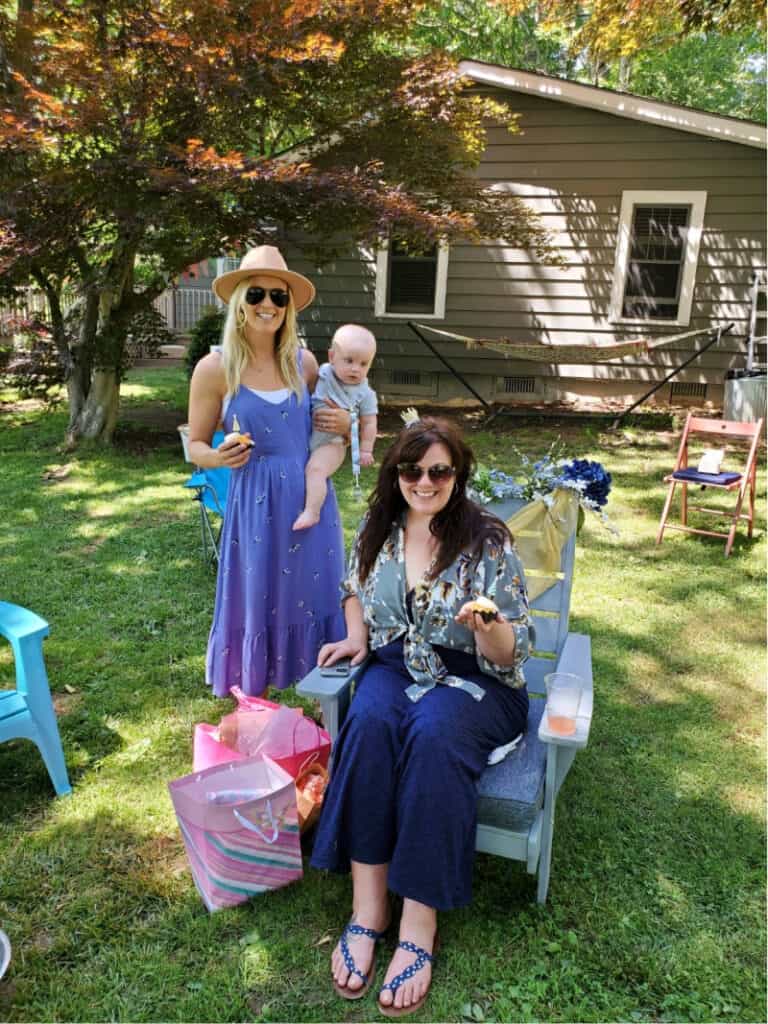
(680, 389)
(406, 378)
(518, 385)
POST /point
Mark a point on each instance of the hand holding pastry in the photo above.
(236, 446)
(235, 450)
(480, 614)
(239, 438)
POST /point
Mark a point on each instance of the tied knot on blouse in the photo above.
(497, 573)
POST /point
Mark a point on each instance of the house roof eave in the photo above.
(620, 104)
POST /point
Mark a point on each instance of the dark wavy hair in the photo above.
(461, 526)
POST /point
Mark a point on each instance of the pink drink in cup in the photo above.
(563, 696)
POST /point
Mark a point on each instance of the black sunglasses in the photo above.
(256, 294)
(412, 473)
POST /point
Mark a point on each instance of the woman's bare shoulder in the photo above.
(210, 369)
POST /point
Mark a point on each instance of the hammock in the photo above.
(546, 352)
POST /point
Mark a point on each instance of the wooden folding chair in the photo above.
(743, 482)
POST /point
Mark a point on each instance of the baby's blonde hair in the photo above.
(235, 351)
(365, 335)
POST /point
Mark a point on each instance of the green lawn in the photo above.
(656, 906)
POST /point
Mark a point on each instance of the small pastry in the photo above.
(236, 435)
(240, 438)
(485, 608)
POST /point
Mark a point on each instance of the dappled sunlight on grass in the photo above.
(656, 901)
(132, 389)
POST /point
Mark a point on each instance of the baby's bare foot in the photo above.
(306, 519)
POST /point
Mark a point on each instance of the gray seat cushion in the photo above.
(511, 793)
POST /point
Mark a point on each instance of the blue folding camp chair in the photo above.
(210, 487)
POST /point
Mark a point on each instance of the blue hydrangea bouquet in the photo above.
(540, 478)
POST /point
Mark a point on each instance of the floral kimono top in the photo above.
(434, 605)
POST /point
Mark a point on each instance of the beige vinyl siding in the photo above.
(572, 165)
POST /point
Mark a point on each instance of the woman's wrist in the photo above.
(497, 644)
(358, 637)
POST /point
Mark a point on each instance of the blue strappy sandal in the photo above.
(357, 929)
(422, 958)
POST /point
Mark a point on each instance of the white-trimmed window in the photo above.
(656, 255)
(408, 286)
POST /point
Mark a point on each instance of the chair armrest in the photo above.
(333, 693)
(196, 480)
(330, 688)
(576, 657)
(205, 492)
(17, 623)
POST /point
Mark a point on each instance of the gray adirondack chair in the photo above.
(516, 806)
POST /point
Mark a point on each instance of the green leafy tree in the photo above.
(486, 31)
(606, 30)
(705, 55)
(724, 74)
(152, 133)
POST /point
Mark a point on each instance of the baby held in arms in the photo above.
(342, 380)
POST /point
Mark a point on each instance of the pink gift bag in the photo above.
(208, 750)
(285, 736)
(260, 727)
(218, 744)
(239, 824)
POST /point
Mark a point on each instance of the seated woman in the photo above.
(443, 688)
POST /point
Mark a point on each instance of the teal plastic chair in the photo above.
(27, 712)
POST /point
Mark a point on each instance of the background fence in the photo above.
(180, 307)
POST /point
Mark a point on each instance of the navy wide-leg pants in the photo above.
(404, 786)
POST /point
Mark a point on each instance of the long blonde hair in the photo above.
(236, 353)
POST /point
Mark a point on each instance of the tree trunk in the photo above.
(25, 12)
(96, 418)
(625, 73)
(78, 386)
(94, 390)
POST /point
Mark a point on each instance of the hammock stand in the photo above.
(544, 352)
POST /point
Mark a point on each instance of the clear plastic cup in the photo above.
(564, 690)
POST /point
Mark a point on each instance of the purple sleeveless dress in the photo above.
(277, 592)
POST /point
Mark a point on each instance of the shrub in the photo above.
(147, 332)
(206, 332)
(31, 363)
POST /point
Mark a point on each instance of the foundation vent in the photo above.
(683, 389)
(407, 383)
(406, 378)
(518, 385)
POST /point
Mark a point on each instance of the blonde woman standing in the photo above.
(277, 590)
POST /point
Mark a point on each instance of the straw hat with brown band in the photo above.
(267, 260)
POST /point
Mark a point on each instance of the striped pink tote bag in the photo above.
(240, 828)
